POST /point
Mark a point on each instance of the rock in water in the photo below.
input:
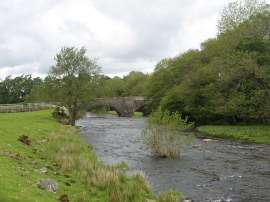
(48, 184)
(207, 140)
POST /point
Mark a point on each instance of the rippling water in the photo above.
(219, 170)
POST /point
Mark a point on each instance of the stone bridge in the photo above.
(124, 106)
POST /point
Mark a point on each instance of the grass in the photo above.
(252, 133)
(68, 159)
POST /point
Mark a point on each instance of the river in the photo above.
(218, 170)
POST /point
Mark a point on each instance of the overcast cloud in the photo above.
(124, 34)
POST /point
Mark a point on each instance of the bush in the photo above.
(164, 134)
(61, 114)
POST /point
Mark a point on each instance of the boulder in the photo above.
(43, 170)
(48, 184)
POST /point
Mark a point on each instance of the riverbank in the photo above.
(255, 133)
(58, 152)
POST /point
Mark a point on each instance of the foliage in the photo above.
(164, 134)
(15, 90)
(73, 75)
(134, 83)
(158, 83)
(61, 114)
(109, 87)
(236, 13)
(228, 78)
(46, 91)
(130, 85)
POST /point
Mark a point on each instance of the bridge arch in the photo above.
(124, 106)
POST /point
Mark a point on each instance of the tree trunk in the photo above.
(72, 120)
(73, 114)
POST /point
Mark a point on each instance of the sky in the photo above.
(124, 35)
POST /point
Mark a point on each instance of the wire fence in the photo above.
(13, 108)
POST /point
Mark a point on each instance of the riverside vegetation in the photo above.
(68, 159)
(164, 134)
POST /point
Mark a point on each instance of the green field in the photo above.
(255, 133)
(68, 159)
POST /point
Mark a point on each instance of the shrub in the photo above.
(164, 134)
(61, 114)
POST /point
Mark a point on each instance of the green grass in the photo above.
(70, 161)
(252, 133)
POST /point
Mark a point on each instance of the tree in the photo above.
(134, 83)
(235, 13)
(168, 73)
(243, 89)
(4, 94)
(158, 83)
(193, 97)
(111, 87)
(15, 90)
(73, 75)
(44, 91)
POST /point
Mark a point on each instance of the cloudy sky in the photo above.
(124, 34)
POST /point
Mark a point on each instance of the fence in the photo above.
(13, 108)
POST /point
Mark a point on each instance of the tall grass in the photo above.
(72, 155)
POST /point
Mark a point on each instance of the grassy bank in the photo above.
(67, 159)
(255, 133)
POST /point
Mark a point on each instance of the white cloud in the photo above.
(124, 35)
(17, 70)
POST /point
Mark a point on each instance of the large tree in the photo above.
(237, 12)
(73, 74)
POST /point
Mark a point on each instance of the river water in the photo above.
(219, 170)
